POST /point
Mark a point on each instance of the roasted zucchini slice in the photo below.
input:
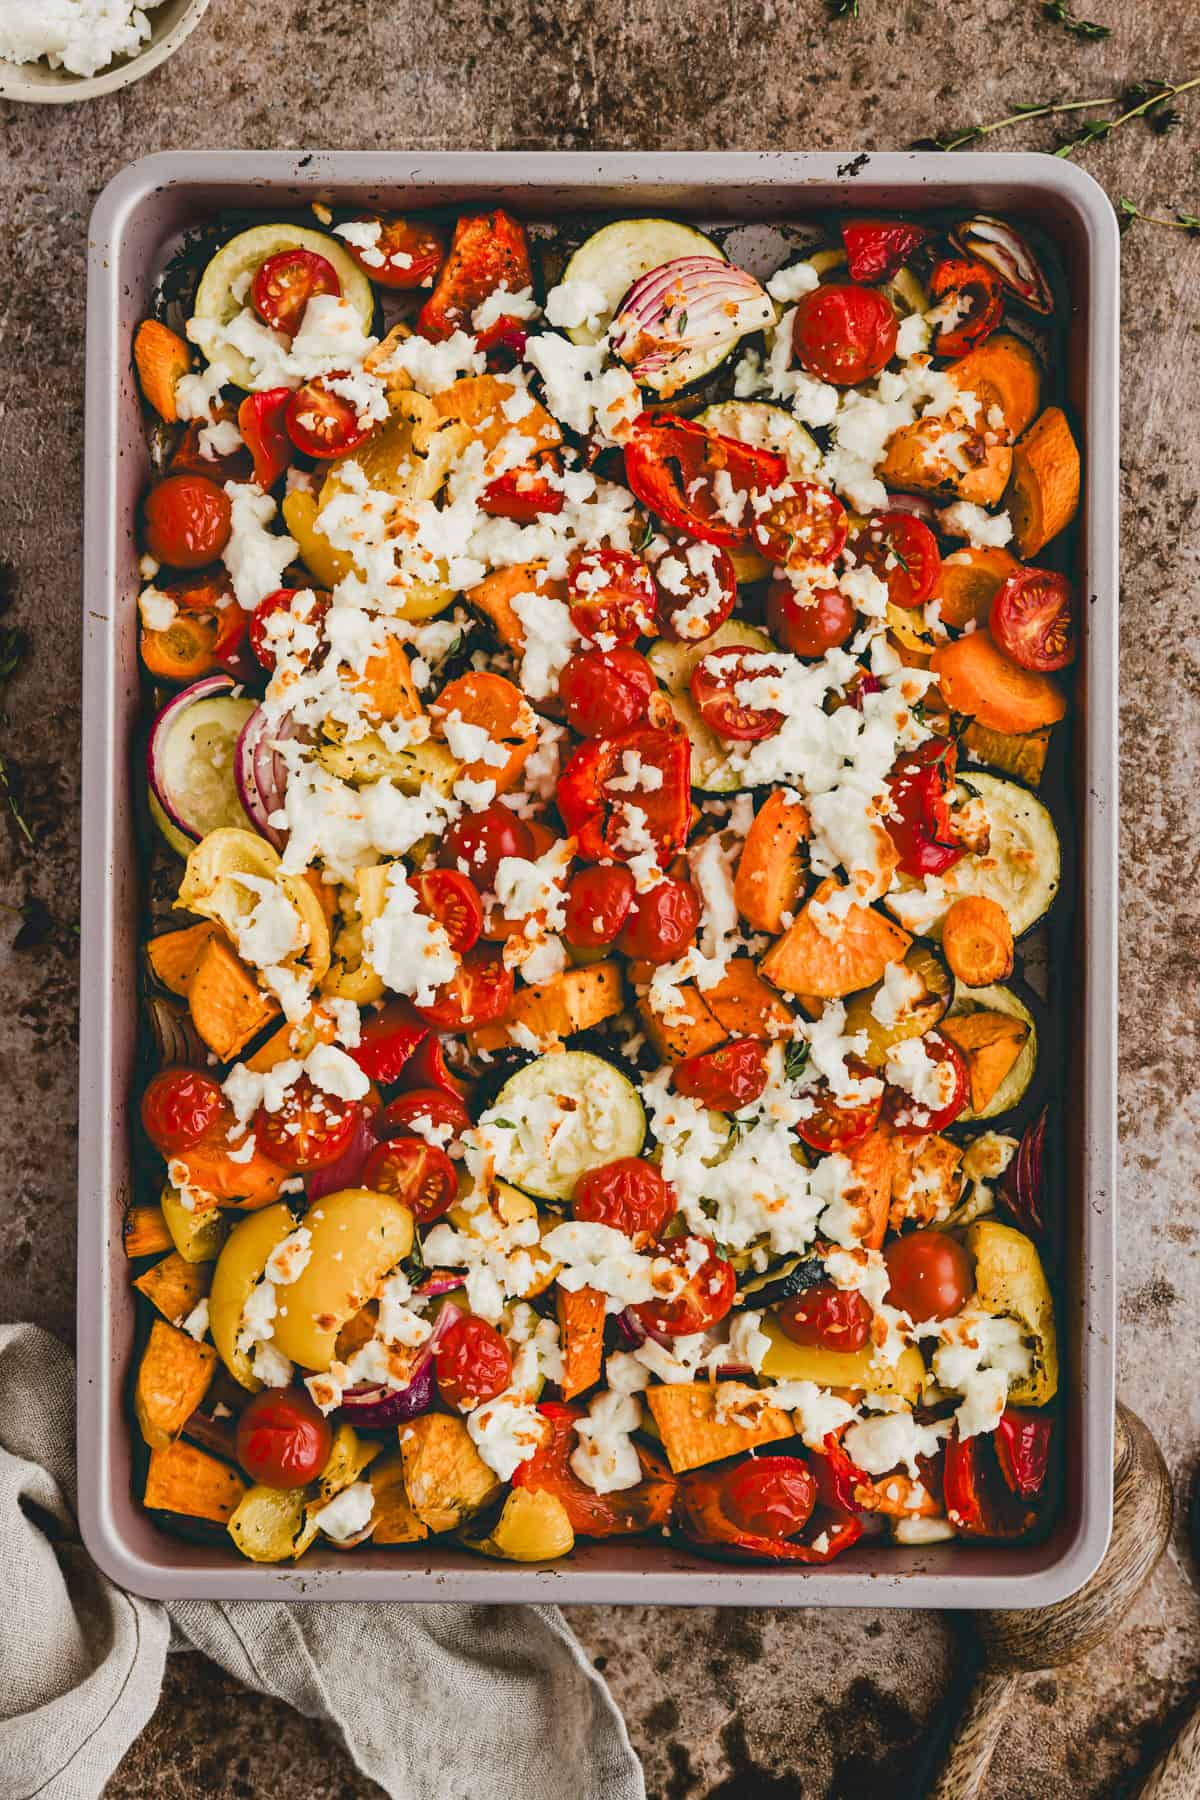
(673, 663)
(567, 1113)
(1013, 1084)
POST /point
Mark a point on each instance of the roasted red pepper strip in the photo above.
(876, 248)
(670, 464)
(979, 294)
(522, 494)
(388, 1041)
(426, 1068)
(978, 1502)
(260, 421)
(1023, 1450)
(549, 1470)
(489, 251)
(918, 823)
(600, 818)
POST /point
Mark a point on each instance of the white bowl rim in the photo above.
(63, 89)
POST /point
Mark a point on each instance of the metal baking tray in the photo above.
(148, 205)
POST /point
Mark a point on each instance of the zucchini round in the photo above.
(242, 255)
(614, 257)
(1016, 1083)
(673, 663)
(767, 427)
(567, 1113)
(792, 1276)
(1021, 869)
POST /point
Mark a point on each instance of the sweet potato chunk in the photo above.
(805, 961)
(692, 1434)
(227, 1006)
(494, 595)
(1022, 755)
(144, 1231)
(445, 1477)
(173, 955)
(1003, 371)
(929, 458)
(581, 1334)
(871, 1160)
(991, 1043)
(185, 1479)
(172, 1379)
(477, 400)
(1043, 496)
(686, 1030)
(174, 1287)
(770, 874)
(926, 1182)
(744, 1005)
(573, 1001)
(393, 1518)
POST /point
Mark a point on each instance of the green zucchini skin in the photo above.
(617, 255)
(1023, 1087)
(609, 1107)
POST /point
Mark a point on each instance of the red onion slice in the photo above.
(193, 789)
(675, 316)
(994, 242)
(346, 1170)
(372, 1404)
(920, 505)
(1021, 1183)
(261, 773)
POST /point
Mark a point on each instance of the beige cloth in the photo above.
(432, 1702)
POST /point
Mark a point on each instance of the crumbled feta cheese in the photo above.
(348, 1513)
(605, 1457)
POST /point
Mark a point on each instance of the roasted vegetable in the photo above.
(687, 1029)
(173, 955)
(184, 1479)
(161, 357)
(807, 961)
(581, 1337)
(978, 942)
(197, 1232)
(238, 1271)
(860, 1370)
(692, 1433)
(770, 877)
(228, 1008)
(746, 1006)
(144, 1231)
(447, 1480)
(1043, 496)
(532, 1527)
(172, 1379)
(394, 1520)
(174, 1286)
(572, 1001)
(269, 1524)
(1004, 372)
(977, 678)
(357, 1237)
(1011, 1283)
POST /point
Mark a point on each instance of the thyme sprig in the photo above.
(842, 9)
(1059, 13)
(13, 648)
(1143, 100)
(1019, 116)
(1129, 214)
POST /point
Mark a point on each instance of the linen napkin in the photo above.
(432, 1702)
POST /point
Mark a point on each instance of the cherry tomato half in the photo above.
(731, 1076)
(811, 626)
(713, 686)
(913, 1119)
(629, 1195)
(419, 1174)
(524, 494)
(600, 898)
(918, 820)
(425, 1113)
(400, 253)
(453, 900)
(663, 922)
(805, 525)
(473, 1363)
(179, 1108)
(769, 1496)
(283, 1441)
(903, 552)
(480, 992)
(322, 422)
(612, 820)
(387, 1038)
(930, 1275)
(844, 335)
(477, 843)
(611, 596)
(286, 282)
(1033, 619)
(604, 691)
(310, 1129)
(303, 632)
(187, 521)
(831, 1318)
(834, 1126)
(704, 1299)
(697, 590)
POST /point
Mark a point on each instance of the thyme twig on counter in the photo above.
(1019, 116)
(1059, 13)
(13, 647)
(1147, 98)
(842, 9)
(1128, 214)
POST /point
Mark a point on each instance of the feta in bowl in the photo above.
(64, 50)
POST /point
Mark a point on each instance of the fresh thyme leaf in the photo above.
(842, 9)
(1059, 13)
(14, 646)
(504, 1124)
(795, 1058)
(647, 535)
(13, 803)
(1129, 214)
(682, 325)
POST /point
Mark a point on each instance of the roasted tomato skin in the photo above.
(480, 993)
(1033, 620)
(600, 898)
(283, 1441)
(611, 596)
(417, 1110)
(451, 898)
(262, 423)
(918, 822)
(310, 1129)
(473, 1363)
(645, 1507)
(597, 816)
(482, 840)
(703, 1301)
(713, 686)
(323, 423)
(662, 922)
(285, 283)
(605, 691)
(835, 1125)
(630, 1195)
(910, 1120)
(315, 612)
(488, 251)
(187, 521)
(724, 1079)
(748, 1509)
(694, 603)
(809, 627)
(903, 552)
(671, 463)
(828, 1317)
(930, 1275)
(844, 335)
(387, 1038)
(405, 254)
(877, 248)
(803, 525)
(180, 1107)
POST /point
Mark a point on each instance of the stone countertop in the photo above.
(730, 1704)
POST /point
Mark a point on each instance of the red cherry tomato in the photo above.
(697, 590)
(629, 1195)
(262, 423)
(424, 1112)
(724, 1079)
(473, 1363)
(427, 1068)
(307, 621)
(489, 251)
(187, 521)
(1033, 619)
(977, 296)
(481, 992)
(809, 627)
(387, 1039)
(604, 691)
(663, 922)
(477, 843)
(769, 1496)
(310, 1129)
(704, 1299)
(833, 1126)
(322, 422)
(610, 819)
(903, 552)
(282, 1439)
(844, 335)
(713, 686)
(913, 1120)
(286, 282)
(806, 525)
(599, 900)
(523, 494)
(453, 900)
(929, 1275)
(679, 470)
(611, 596)
(918, 819)
(829, 1317)
(402, 254)
(419, 1174)
(877, 248)
(179, 1108)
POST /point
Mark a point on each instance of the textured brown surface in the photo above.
(745, 1704)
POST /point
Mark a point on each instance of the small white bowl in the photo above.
(170, 24)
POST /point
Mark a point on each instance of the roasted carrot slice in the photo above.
(581, 1331)
(493, 704)
(1043, 495)
(969, 582)
(386, 682)
(978, 679)
(1003, 372)
(806, 961)
(977, 940)
(160, 357)
(770, 873)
